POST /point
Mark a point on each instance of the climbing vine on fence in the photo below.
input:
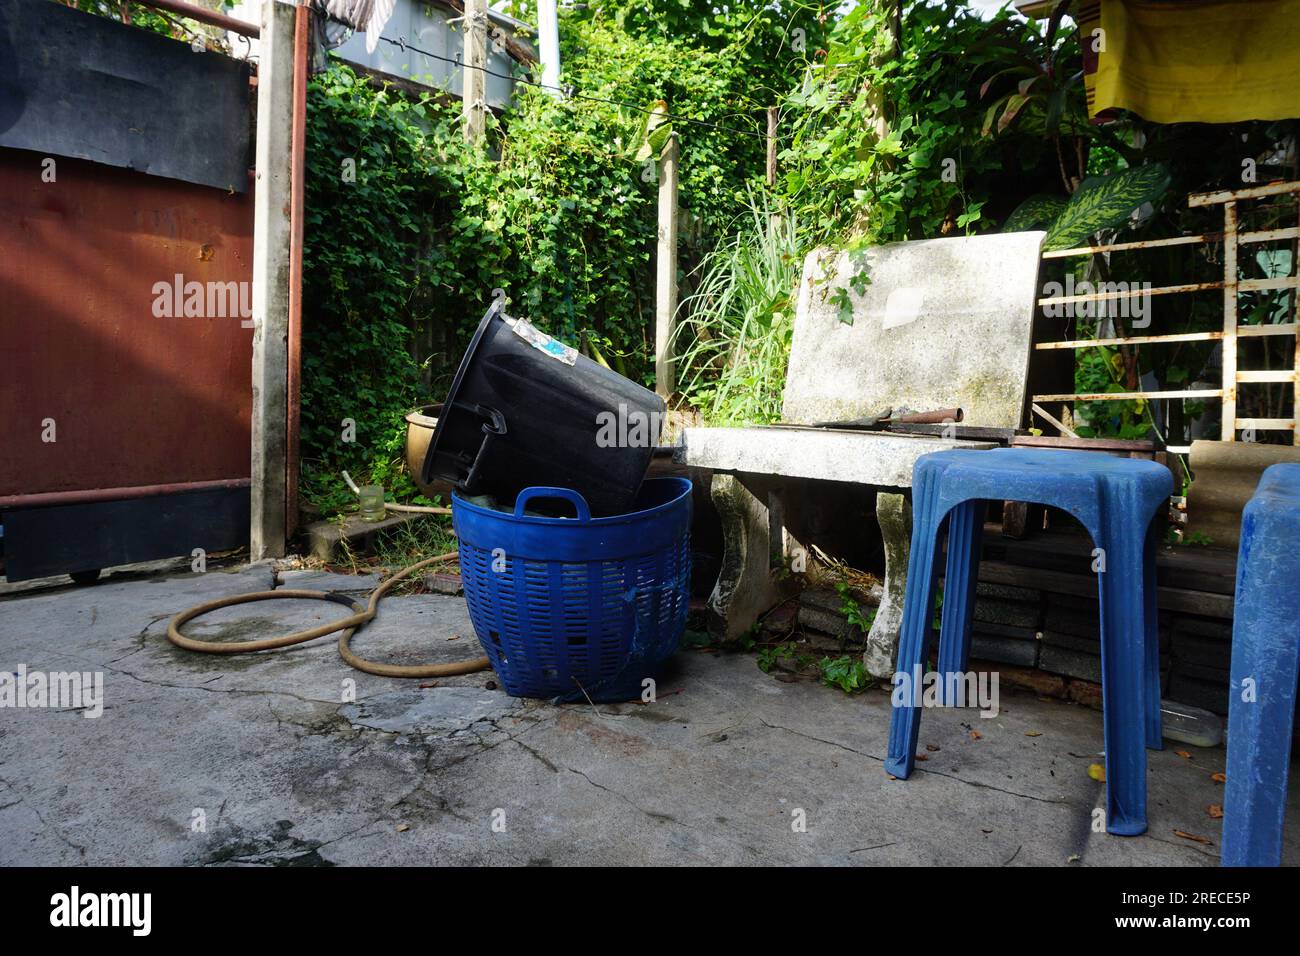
(373, 179)
(409, 229)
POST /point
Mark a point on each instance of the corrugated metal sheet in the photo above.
(426, 27)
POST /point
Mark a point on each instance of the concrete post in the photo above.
(894, 513)
(474, 83)
(271, 234)
(746, 587)
(772, 116)
(666, 271)
(548, 38)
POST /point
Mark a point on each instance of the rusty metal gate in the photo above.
(125, 345)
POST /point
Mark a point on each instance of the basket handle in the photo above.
(541, 491)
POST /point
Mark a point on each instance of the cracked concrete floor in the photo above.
(257, 759)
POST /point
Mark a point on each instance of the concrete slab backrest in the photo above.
(944, 323)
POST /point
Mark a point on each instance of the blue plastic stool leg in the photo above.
(1261, 710)
(965, 533)
(918, 608)
(1155, 739)
(1123, 666)
(1259, 747)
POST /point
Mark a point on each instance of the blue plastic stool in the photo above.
(1265, 652)
(1116, 500)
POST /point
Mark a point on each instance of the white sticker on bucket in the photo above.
(544, 343)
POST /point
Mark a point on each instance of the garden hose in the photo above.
(403, 509)
(348, 625)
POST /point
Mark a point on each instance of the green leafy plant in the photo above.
(370, 175)
(1102, 369)
(1105, 202)
(933, 171)
(774, 655)
(734, 337)
(402, 256)
(1101, 202)
(159, 21)
(1039, 92)
(1034, 213)
(848, 673)
(852, 610)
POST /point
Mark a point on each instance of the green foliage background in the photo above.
(555, 209)
(552, 207)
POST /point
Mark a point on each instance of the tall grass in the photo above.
(733, 342)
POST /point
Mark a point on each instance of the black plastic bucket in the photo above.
(526, 410)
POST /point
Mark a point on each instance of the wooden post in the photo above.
(771, 145)
(666, 271)
(877, 111)
(474, 82)
(1228, 427)
(271, 238)
(1295, 320)
(298, 159)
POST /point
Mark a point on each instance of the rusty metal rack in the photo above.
(1232, 239)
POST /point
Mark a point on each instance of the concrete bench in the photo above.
(943, 323)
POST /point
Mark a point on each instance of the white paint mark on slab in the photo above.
(903, 307)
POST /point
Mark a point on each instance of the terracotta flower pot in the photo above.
(420, 424)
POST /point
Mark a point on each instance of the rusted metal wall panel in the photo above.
(134, 397)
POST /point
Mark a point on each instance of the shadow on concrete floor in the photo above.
(258, 759)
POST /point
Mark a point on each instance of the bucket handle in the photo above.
(541, 491)
(494, 426)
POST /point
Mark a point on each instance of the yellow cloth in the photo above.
(1196, 61)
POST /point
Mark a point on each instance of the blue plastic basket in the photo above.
(578, 607)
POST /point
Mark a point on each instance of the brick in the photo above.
(781, 620)
(1203, 627)
(1008, 592)
(1005, 630)
(825, 622)
(1070, 663)
(1200, 650)
(1214, 675)
(1211, 696)
(323, 537)
(1070, 642)
(1037, 681)
(1077, 620)
(1085, 692)
(824, 599)
(995, 611)
(1004, 650)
